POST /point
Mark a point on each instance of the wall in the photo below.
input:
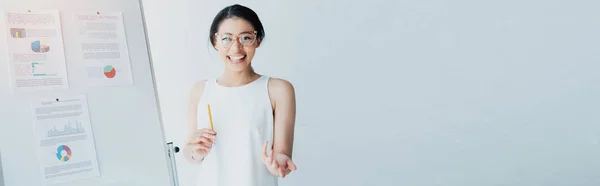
(422, 93)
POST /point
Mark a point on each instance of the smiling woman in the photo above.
(253, 115)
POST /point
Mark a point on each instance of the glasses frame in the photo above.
(237, 38)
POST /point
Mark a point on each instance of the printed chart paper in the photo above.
(64, 139)
(104, 49)
(35, 51)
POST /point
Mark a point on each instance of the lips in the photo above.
(236, 58)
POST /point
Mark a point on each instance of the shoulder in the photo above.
(280, 85)
(197, 89)
(198, 86)
(281, 89)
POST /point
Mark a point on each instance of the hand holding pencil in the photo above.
(202, 140)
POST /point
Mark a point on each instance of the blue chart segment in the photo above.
(40, 47)
(63, 153)
(68, 129)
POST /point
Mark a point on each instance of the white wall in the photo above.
(426, 92)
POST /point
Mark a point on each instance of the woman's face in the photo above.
(236, 42)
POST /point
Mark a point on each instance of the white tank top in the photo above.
(243, 119)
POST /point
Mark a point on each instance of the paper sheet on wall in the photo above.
(64, 139)
(35, 51)
(104, 49)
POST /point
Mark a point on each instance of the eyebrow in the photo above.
(245, 32)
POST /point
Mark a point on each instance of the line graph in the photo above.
(68, 129)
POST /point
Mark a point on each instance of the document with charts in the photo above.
(64, 139)
(35, 51)
(103, 46)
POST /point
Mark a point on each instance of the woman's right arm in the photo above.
(189, 151)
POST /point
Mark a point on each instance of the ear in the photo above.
(214, 43)
(258, 42)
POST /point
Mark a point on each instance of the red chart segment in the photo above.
(109, 71)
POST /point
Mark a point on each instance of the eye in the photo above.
(247, 38)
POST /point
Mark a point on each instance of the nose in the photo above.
(236, 45)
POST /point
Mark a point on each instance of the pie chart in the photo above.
(63, 153)
(40, 46)
(109, 71)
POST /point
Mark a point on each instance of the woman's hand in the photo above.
(278, 164)
(201, 142)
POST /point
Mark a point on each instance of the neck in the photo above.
(231, 78)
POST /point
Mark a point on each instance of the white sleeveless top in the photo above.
(243, 119)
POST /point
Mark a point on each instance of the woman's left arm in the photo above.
(284, 117)
(279, 161)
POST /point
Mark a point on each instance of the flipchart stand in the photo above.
(171, 150)
(1, 173)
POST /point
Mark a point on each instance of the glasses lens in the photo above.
(225, 40)
(247, 39)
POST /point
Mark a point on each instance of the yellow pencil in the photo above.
(210, 117)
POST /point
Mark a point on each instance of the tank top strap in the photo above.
(264, 81)
(209, 87)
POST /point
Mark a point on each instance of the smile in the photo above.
(237, 57)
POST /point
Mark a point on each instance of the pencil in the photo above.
(210, 117)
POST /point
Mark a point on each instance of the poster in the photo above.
(103, 47)
(35, 51)
(64, 139)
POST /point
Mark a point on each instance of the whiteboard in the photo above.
(129, 138)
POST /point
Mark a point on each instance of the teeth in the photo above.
(236, 57)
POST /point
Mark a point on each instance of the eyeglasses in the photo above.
(246, 39)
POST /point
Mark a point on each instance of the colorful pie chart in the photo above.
(40, 47)
(63, 153)
(109, 71)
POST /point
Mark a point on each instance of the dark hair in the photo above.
(239, 11)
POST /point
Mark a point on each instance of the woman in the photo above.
(253, 115)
